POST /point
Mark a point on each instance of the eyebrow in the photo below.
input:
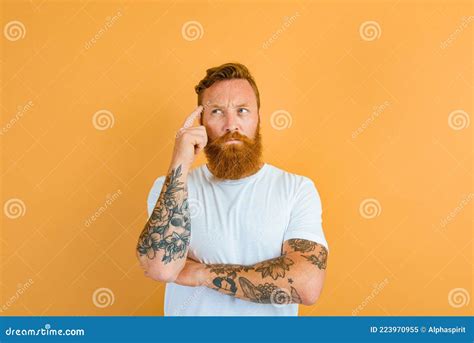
(218, 106)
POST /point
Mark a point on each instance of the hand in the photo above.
(193, 274)
(190, 141)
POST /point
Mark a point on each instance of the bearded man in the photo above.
(236, 236)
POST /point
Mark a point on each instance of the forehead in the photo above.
(229, 92)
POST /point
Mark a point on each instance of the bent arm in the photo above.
(163, 244)
(295, 277)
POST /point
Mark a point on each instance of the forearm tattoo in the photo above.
(224, 276)
(275, 267)
(169, 226)
(268, 293)
(228, 280)
(305, 246)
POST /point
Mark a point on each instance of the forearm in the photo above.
(163, 244)
(290, 278)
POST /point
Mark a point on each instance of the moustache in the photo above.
(231, 136)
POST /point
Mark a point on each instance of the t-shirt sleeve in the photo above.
(306, 215)
(154, 194)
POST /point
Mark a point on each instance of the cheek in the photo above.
(212, 134)
(250, 129)
(213, 127)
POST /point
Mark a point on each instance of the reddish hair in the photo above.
(226, 71)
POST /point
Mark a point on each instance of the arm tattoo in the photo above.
(169, 226)
(302, 245)
(230, 269)
(320, 260)
(268, 293)
(275, 267)
(244, 282)
(228, 281)
(305, 246)
(225, 284)
(264, 293)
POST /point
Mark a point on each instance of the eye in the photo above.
(215, 111)
(243, 109)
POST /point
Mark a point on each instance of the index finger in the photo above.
(192, 117)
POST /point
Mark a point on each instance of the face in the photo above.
(230, 105)
(232, 123)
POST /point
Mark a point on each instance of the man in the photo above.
(235, 236)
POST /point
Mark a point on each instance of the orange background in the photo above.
(382, 114)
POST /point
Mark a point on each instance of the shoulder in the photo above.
(293, 180)
(295, 187)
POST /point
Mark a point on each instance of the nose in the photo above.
(231, 123)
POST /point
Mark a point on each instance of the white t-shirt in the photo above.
(241, 221)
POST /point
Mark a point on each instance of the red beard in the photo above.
(234, 160)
